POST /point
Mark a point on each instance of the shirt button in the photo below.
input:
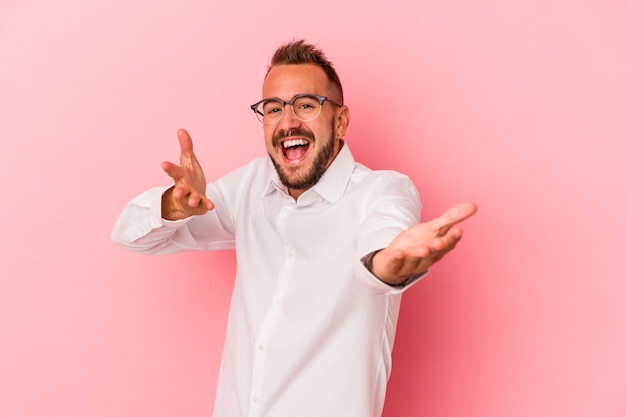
(255, 399)
(290, 254)
(260, 347)
(278, 301)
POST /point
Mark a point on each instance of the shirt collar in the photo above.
(333, 183)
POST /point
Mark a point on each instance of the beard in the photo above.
(307, 179)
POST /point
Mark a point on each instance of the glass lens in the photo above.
(269, 111)
(307, 108)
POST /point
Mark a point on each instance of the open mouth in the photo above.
(294, 150)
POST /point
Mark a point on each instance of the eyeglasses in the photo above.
(306, 107)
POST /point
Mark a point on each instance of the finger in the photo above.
(413, 262)
(448, 241)
(417, 252)
(186, 144)
(193, 200)
(180, 191)
(196, 200)
(453, 216)
(173, 170)
(398, 261)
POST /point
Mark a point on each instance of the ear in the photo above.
(341, 122)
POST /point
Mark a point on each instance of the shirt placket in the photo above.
(258, 403)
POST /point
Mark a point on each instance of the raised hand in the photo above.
(416, 249)
(188, 195)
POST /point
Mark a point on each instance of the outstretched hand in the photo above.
(416, 249)
(188, 195)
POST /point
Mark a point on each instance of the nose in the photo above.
(288, 119)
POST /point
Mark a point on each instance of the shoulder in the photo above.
(382, 190)
(258, 169)
(381, 179)
(251, 178)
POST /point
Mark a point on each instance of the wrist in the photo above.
(368, 262)
(370, 265)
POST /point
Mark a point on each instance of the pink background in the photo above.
(517, 105)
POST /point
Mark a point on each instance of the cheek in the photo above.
(323, 133)
(268, 133)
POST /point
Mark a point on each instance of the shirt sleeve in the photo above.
(392, 206)
(140, 227)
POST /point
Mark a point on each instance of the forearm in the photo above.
(396, 207)
(141, 228)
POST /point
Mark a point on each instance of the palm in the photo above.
(416, 249)
(188, 194)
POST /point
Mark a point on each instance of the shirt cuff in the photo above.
(367, 262)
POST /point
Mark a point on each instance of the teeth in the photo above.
(294, 142)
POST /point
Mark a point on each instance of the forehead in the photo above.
(285, 81)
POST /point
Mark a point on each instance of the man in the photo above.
(325, 248)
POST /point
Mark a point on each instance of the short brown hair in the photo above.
(298, 52)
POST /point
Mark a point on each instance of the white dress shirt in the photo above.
(310, 330)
